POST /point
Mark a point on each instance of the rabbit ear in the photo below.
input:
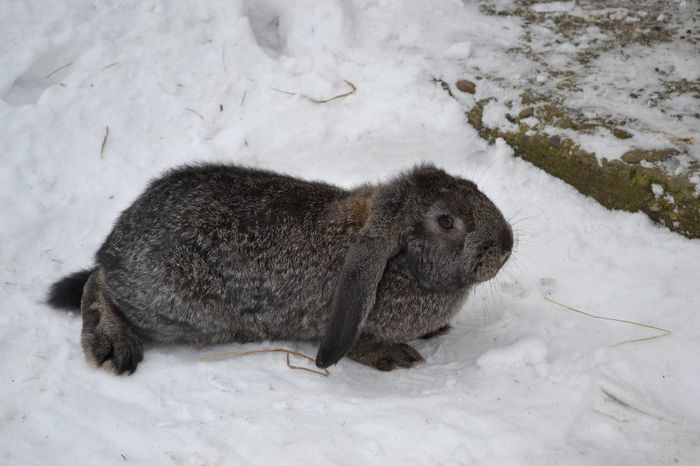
(356, 289)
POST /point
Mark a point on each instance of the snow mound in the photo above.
(526, 351)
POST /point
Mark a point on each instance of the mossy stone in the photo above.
(526, 112)
(615, 184)
(621, 133)
(649, 155)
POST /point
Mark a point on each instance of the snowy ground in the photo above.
(614, 64)
(518, 381)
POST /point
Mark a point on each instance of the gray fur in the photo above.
(219, 253)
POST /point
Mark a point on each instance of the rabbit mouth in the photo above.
(489, 262)
(492, 255)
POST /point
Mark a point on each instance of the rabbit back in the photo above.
(221, 253)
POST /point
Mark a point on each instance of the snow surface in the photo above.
(648, 87)
(518, 381)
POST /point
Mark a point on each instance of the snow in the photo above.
(494, 116)
(518, 381)
(526, 351)
(553, 7)
(649, 86)
(644, 70)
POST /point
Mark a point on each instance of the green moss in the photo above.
(526, 112)
(649, 155)
(615, 184)
(550, 103)
(621, 133)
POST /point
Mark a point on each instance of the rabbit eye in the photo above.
(446, 222)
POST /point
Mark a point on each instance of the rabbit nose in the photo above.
(504, 257)
(505, 240)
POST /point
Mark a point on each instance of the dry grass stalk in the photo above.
(104, 142)
(235, 354)
(281, 91)
(195, 112)
(58, 69)
(352, 90)
(110, 65)
(223, 56)
(639, 324)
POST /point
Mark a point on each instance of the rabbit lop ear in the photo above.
(356, 289)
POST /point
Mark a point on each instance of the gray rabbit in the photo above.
(218, 253)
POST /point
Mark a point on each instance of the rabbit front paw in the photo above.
(386, 356)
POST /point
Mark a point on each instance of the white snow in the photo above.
(649, 88)
(494, 116)
(526, 351)
(518, 381)
(553, 7)
(643, 69)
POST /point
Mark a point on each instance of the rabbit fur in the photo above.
(217, 253)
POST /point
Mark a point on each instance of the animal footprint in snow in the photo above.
(528, 351)
(264, 18)
(299, 29)
(47, 70)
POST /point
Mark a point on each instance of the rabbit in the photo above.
(215, 253)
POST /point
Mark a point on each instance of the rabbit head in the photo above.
(448, 234)
(454, 235)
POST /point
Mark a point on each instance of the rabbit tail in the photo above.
(67, 292)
